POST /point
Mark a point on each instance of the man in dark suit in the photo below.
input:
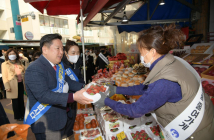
(90, 66)
(40, 80)
(102, 59)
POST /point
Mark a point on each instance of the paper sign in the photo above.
(121, 135)
(24, 19)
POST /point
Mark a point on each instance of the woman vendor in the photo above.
(169, 89)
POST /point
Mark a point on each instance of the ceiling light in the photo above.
(162, 2)
(125, 19)
(31, 48)
(21, 48)
(45, 12)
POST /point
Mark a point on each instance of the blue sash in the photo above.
(40, 109)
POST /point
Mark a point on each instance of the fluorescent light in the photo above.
(162, 2)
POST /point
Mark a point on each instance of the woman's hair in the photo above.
(161, 39)
(37, 53)
(10, 50)
(69, 44)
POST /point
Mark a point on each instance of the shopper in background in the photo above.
(35, 56)
(30, 55)
(71, 58)
(13, 75)
(3, 91)
(4, 53)
(102, 60)
(107, 52)
(169, 88)
(93, 55)
(89, 66)
(24, 60)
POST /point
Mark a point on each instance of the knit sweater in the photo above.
(153, 96)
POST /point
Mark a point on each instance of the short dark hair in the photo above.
(69, 44)
(47, 39)
(10, 50)
(4, 50)
(31, 52)
(37, 53)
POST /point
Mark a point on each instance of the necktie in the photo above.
(54, 67)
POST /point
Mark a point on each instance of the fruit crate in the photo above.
(141, 133)
(200, 68)
(191, 57)
(90, 133)
(200, 58)
(114, 136)
(154, 131)
(209, 60)
(208, 50)
(206, 75)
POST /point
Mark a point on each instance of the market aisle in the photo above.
(7, 104)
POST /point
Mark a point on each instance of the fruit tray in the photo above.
(115, 136)
(110, 115)
(191, 57)
(208, 86)
(200, 68)
(97, 138)
(203, 46)
(208, 74)
(131, 123)
(90, 133)
(154, 131)
(93, 89)
(201, 58)
(140, 134)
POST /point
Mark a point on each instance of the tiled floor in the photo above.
(7, 104)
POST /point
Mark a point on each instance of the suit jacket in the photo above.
(9, 78)
(40, 79)
(100, 63)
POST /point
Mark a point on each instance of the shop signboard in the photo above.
(29, 35)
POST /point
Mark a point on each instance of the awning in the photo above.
(3, 46)
(171, 10)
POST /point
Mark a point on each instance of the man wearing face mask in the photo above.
(23, 59)
(102, 59)
(89, 65)
(72, 58)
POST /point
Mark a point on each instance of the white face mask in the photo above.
(146, 64)
(20, 54)
(12, 57)
(73, 58)
(30, 56)
(90, 51)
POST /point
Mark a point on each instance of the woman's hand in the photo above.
(8, 90)
(101, 102)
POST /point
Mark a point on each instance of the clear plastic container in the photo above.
(90, 133)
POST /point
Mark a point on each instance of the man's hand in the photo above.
(8, 90)
(80, 98)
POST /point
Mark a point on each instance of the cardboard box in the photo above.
(205, 73)
(208, 50)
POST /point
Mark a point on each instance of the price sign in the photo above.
(121, 135)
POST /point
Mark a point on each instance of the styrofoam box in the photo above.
(137, 129)
(127, 123)
(94, 138)
(201, 66)
(82, 137)
(115, 135)
(208, 51)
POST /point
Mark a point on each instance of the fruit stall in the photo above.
(105, 123)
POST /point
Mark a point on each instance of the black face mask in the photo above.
(102, 51)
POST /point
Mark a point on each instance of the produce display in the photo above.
(140, 135)
(190, 58)
(90, 133)
(79, 122)
(115, 138)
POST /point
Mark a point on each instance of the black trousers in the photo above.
(67, 131)
(18, 104)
